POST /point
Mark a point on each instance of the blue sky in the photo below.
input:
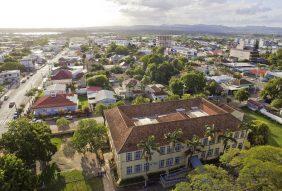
(86, 13)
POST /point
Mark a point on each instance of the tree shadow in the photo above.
(51, 179)
(89, 167)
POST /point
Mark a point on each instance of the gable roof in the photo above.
(93, 88)
(104, 94)
(62, 74)
(60, 100)
(126, 134)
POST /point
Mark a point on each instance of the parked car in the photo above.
(16, 115)
(11, 104)
(23, 80)
(69, 117)
(6, 97)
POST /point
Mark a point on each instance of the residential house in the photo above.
(55, 103)
(130, 88)
(156, 92)
(254, 105)
(91, 92)
(105, 97)
(115, 58)
(130, 124)
(243, 83)
(10, 76)
(28, 62)
(124, 65)
(55, 89)
(61, 76)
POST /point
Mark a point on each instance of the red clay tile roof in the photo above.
(126, 135)
(60, 100)
(62, 74)
(171, 117)
(94, 88)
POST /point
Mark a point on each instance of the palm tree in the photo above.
(148, 146)
(174, 137)
(226, 137)
(194, 145)
(210, 132)
(246, 126)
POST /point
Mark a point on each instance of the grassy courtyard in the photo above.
(275, 138)
(75, 180)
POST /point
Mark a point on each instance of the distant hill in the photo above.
(200, 28)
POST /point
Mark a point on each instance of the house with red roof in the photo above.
(55, 103)
(61, 76)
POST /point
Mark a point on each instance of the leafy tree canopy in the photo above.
(242, 95)
(139, 100)
(14, 175)
(28, 141)
(90, 136)
(98, 80)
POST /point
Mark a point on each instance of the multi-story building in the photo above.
(130, 124)
(10, 76)
(28, 62)
(242, 52)
(164, 41)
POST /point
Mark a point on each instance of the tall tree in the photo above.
(272, 89)
(258, 168)
(28, 141)
(194, 82)
(210, 133)
(225, 138)
(14, 175)
(193, 145)
(209, 178)
(99, 110)
(176, 86)
(140, 100)
(174, 137)
(98, 80)
(259, 133)
(242, 95)
(90, 136)
(148, 146)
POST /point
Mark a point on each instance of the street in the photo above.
(17, 95)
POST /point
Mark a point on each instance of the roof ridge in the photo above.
(157, 103)
(187, 119)
(129, 129)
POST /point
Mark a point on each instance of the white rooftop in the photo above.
(238, 64)
(145, 121)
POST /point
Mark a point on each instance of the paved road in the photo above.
(18, 96)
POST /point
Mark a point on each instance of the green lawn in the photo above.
(74, 180)
(57, 142)
(275, 138)
(83, 101)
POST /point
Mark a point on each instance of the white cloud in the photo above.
(226, 12)
(87, 13)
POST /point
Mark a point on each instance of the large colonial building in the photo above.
(128, 125)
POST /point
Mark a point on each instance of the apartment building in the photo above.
(129, 125)
(10, 76)
(241, 52)
(164, 41)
